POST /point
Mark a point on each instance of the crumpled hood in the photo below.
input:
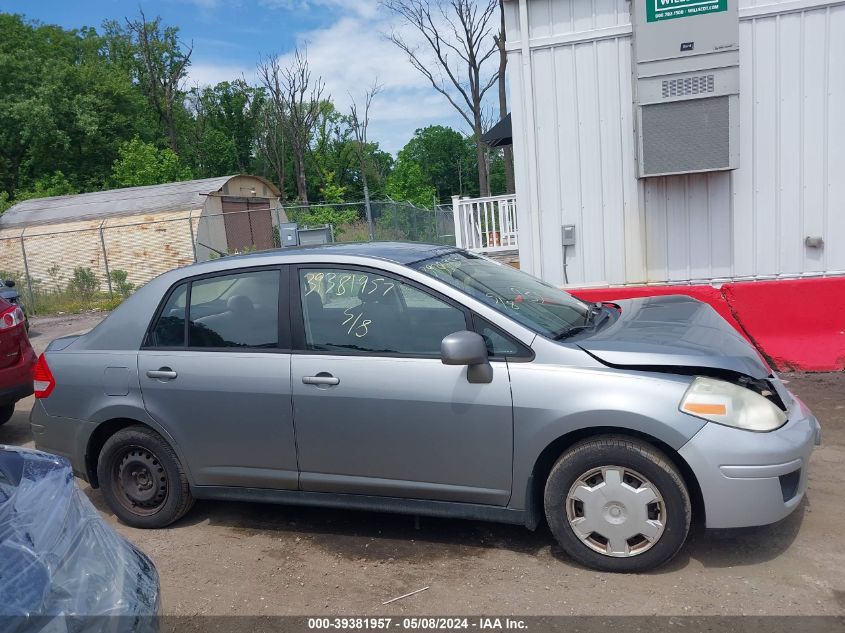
(674, 331)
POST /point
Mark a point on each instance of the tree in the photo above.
(56, 184)
(65, 106)
(297, 98)
(331, 151)
(225, 127)
(458, 34)
(360, 119)
(408, 183)
(270, 140)
(507, 150)
(447, 159)
(144, 164)
(161, 65)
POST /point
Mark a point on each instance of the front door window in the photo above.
(351, 310)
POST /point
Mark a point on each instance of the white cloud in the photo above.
(210, 74)
(349, 54)
(353, 52)
(363, 8)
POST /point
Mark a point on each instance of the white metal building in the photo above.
(570, 71)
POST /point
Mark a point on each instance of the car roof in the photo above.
(398, 252)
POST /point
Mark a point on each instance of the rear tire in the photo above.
(142, 480)
(616, 503)
(6, 413)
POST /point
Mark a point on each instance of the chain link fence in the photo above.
(94, 265)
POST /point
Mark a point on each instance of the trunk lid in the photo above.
(673, 331)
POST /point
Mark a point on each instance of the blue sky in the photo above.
(345, 41)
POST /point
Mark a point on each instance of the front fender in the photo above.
(551, 402)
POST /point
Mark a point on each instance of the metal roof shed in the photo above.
(142, 230)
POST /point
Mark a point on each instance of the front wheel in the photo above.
(618, 504)
(142, 479)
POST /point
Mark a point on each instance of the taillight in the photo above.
(11, 317)
(42, 378)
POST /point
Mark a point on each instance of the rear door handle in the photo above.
(162, 373)
(321, 379)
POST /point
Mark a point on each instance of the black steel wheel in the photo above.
(142, 479)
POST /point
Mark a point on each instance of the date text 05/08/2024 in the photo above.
(417, 623)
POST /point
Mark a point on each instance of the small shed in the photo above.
(142, 230)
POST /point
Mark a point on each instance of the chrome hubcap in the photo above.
(616, 511)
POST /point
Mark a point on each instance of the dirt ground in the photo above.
(254, 559)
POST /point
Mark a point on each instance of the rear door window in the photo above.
(240, 310)
(169, 330)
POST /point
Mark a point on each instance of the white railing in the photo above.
(487, 224)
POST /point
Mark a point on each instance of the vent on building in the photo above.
(686, 136)
(684, 86)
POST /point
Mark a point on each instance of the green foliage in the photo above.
(67, 302)
(317, 215)
(334, 159)
(83, 110)
(408, 183)
(120, 282)
(53, 185)
(225, 126)
(446, 159)
(331, 191)
(84, 283)
(498, 180)
(15, 276)
(143, 163)
(64, 106)
(54, 273)
(150, 53)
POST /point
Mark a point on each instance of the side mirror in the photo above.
(10, 283)
(467, 348)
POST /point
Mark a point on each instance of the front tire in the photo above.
(616, 503)
(142, 480)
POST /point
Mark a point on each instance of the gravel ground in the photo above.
(251, 559)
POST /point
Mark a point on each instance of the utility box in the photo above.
(310, 236)
(686, 85)
(288, 234)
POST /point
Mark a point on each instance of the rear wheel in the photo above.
(618, 504)
(142, 479)
(6, 412)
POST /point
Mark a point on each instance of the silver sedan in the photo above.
(426, 380)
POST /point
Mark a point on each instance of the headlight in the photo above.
(732, 405)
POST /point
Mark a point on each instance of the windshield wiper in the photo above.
(591, 321)
(569, 331)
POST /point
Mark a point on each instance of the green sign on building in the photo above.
(657, 10)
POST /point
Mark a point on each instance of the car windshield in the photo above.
(533, 303)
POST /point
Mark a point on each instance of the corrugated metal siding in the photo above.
(751, 222)
(789, 185)
(144, 245)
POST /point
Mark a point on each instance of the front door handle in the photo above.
(162, 373)
(322, 378)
